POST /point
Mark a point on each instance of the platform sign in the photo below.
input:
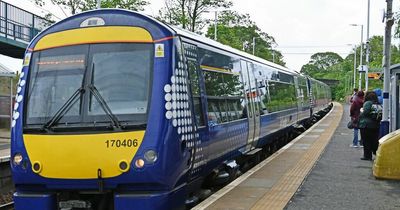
(374, 75)
(362, 68)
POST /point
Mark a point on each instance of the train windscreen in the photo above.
(89, 84)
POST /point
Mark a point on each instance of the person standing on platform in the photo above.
(378, 92)
(354, 96)
(369, 126)
(356, 105)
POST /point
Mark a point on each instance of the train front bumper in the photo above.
(157, 200)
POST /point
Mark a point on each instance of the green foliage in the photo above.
(188, 13)
(342, 70)
(238, 31)
(321, 62)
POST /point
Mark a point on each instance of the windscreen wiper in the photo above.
(64, 109)
(114, 120)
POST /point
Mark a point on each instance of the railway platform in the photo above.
(317, 170)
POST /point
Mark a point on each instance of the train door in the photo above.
(256, 96)
(251, 106)
(299, 96)
(310, 96)
(193, 134)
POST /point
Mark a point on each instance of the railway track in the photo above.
(6, 185)
(7, 206)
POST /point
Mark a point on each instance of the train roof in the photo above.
(199, 38)
(184, 33)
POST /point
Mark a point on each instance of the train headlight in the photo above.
(17, 159)
(139, 163)
(150, 156)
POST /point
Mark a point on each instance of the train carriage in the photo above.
(116, 110)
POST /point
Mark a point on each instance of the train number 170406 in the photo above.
(121, 143)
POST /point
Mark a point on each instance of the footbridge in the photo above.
(17, 29)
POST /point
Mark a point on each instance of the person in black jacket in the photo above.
(369, 125)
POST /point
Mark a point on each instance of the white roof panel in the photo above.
(210, 42)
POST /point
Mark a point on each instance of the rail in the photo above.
(4, 159)
(7, 205)
(19, 24)
(6, 185)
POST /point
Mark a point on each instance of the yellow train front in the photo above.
(91, 88)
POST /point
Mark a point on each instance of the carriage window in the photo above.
(232, 85)
(195, 88)
(214, 83)
(214, 114)
(224, 89)
(224, 110)
(282, 96)
(117, 70)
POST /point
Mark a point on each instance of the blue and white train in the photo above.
(116, 110)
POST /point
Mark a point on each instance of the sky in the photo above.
(300, 28)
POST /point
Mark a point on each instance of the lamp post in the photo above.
(361, 53)
(367, 51)
(355, 67)
(98, 4)
(215, 21)
(254, 45)
(215, 25)
(384, 129)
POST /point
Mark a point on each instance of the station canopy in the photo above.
(5, 72)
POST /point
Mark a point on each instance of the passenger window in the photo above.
(224, 111)
(282, 95)
(195, 88)
(214, 114)
(214, 83)
(233, 113)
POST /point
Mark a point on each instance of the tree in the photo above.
(238, 31)
(188, 13)
(309, 69)
(323, 61)
(76, 6)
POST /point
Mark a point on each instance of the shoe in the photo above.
(354, 146)
(364, 158)
(361, 146)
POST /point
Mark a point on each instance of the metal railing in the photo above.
(19, 24)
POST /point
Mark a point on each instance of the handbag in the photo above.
(350, 125)
(353, 123)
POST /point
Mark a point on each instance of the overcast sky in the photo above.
(300, 28)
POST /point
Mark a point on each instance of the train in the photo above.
(117, 110)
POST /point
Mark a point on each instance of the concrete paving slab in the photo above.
(340, 180)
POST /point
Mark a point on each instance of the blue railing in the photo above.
(18, 24)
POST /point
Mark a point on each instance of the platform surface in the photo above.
(340, 180)
(272, 183)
